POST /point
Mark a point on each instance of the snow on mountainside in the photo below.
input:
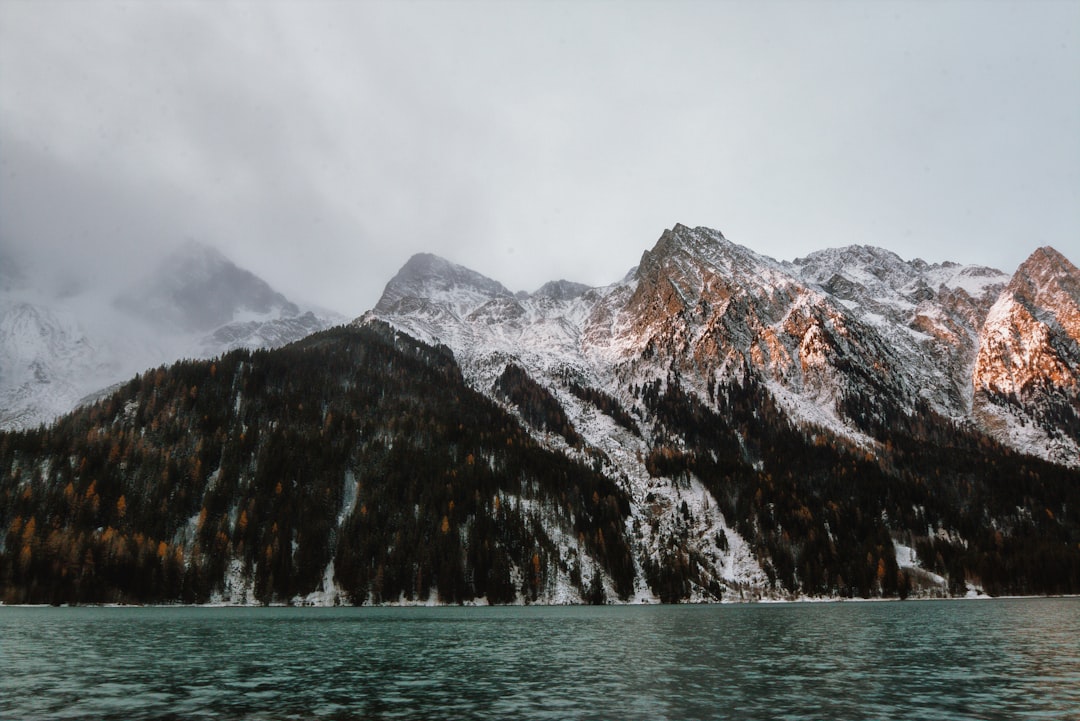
(564, 331)
(717, 425)
(484, 323)
(42, 355)
(710, 309)
(57, 350)
(853, 340)
(926, 312)
(1027, 373)
(844, 336)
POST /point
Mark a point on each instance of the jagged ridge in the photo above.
(855, 346)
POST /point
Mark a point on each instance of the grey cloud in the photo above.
(322, 144)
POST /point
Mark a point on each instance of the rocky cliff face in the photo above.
(929, 315)
(713, 310)
(1026, 378)
(852, 339)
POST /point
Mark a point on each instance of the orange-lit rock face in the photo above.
(1027, 373)
(703, 302)
(1031, 339)
(846, 337)
(1021, 354)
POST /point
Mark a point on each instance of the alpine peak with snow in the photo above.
(717, 425)
(850, 339)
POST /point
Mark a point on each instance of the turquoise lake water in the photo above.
(999, 659)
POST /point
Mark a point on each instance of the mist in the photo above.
(321, 144)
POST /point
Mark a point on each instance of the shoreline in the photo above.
(763, 602)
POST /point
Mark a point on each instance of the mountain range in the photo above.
(717, 425)
(841, 337)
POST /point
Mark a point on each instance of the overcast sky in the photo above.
(320, 144)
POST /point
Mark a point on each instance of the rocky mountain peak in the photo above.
(1048, 278)
(1026, 377)
(561, 290)
(681, 244)
(689, 266)
(428, 277)
(846, 337)
(1049, 257)
(1046, 288)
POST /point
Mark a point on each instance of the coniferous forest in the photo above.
(360, 456)
(360, 446)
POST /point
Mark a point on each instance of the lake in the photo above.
(999, 659)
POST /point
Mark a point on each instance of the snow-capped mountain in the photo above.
(43, 356)
(717, 425)
(930, 314)
(853, 341)
(843, 337)
(58, 349)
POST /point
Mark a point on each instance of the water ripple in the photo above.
(1006, 659)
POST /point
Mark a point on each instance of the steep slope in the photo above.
(42, 356)
(357, 466)
(853, 358)
(710, 309)
(353, 467)
(1027, 374)
(854, 339)
(930, 314)
(57, 350)
(48, 360)
(440, 302)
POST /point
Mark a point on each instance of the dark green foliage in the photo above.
(256, 457)
(606, 404)
(823, 513)
(538, 407)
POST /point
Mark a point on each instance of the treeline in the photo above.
(606, 404)
(359, 446)
(538, 407)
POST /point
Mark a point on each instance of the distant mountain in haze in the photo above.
(57, 349)
(197, 289)
(10, 274)
(716, 425)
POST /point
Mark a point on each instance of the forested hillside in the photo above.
(823, 514)
(355, 456)
(357, 466)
